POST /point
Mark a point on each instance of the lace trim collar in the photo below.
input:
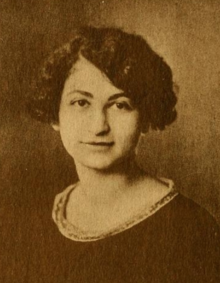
(72, 232)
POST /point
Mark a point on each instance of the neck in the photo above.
(105, 186)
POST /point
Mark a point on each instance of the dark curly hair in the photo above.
(126, 59)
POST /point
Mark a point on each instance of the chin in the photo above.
(105, 164)
(102, 161)
(102, 166)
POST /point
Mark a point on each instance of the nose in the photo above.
(99, 124)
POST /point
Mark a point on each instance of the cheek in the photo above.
(70, 124)
(128, 130)
(69, 132)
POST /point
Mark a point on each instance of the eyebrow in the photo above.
(88, 94)
(85, 93)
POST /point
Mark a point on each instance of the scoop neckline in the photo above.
(74, 233)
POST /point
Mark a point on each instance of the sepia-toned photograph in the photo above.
(109, 141)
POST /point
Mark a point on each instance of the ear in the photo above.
(56, 127)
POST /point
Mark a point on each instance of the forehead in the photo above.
(87, 77)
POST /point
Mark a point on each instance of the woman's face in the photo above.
(98, 124)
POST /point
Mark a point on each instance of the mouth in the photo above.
(99, 144)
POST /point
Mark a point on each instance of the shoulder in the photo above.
(188, 239)
(189, 220)
(191, 213)
(196, 231)
(187, 226)
(200, 237)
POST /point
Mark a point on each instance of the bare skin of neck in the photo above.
(104, 196)
(103, 187)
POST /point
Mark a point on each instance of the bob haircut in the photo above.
(126, 59)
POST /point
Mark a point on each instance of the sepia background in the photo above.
(34, 165)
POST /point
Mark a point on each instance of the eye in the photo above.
(123, 106)
(120, 105)
(80, 103)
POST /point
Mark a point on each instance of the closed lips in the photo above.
(100, 143)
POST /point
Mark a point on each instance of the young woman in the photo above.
(101, 91)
